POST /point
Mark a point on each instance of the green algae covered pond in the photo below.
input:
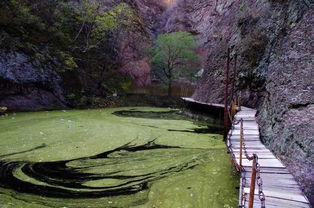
(119, 157)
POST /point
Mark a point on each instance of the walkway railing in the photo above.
(230, 122)
(255, 171)
(243, 139)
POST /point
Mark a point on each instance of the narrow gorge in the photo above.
(45, 64)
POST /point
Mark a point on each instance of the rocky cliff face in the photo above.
(287, 114)
(38, 73)
(252, 30)
(28, 84)
(274, 44)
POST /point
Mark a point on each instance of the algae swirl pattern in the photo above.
(124, 175)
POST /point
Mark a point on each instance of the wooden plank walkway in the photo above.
(191, 100)
(279, 186)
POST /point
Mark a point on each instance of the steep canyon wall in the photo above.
(37, 72)
(274, 44)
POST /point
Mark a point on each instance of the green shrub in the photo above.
(83, 102)
(71, 96)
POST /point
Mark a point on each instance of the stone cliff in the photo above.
(287, 112)
(273, 40)
(38, 73)
(274, 44)
(28, 84)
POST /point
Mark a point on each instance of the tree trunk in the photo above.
(170, 82)
(170, 88)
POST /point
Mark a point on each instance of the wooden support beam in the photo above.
(241, 142)
(226, 110)
(252, 186)
(234, 75)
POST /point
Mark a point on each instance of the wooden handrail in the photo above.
(234, 108)
(253, 181)
(241, 143)
(226, 95)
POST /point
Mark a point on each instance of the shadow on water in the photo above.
(212, 127)
(196, 130)
(167, 115)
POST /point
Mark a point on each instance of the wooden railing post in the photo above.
(239, 104)
(234, 75)
(241, 141)
(253, 180)
(233, 108)
(226, 110)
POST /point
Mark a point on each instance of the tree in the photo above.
(171, 53)
(94, 33)
(90, 25)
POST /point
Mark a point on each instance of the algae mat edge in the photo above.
(103, 160)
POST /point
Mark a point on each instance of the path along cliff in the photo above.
(273, 40)
(274, 44)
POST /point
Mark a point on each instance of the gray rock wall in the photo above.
(287, 113)
(274, 43)
(27, 84)
(252, 29)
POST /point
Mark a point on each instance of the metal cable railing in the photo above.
(256, 171)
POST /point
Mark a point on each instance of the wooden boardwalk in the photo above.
(279, 187)
(191, 100)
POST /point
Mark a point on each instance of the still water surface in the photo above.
(119, 157)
